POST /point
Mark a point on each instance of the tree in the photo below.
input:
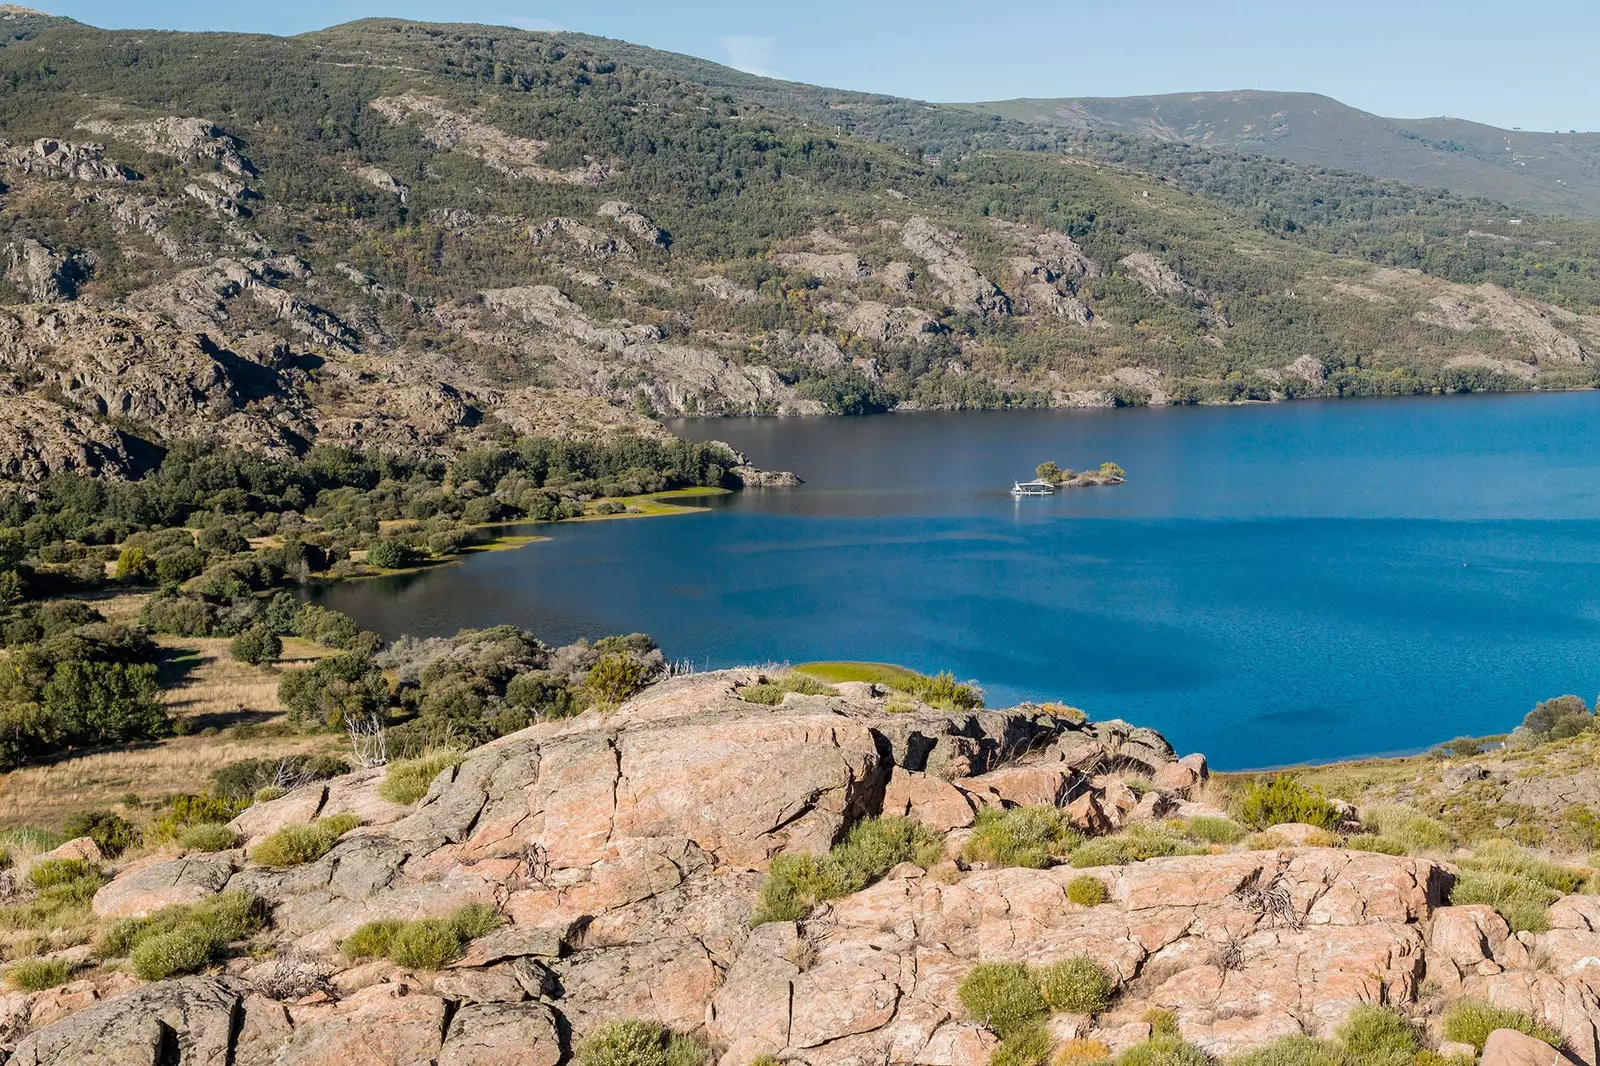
(256, 645)
(1048, 471)
(614, 678)
(134, 564)
(389, 554)
(101, 702)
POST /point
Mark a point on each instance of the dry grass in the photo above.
(210, 693)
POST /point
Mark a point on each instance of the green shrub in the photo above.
(1087, 891)
(183, 938)
(1163, 1049)
(629, 1042)
(207, 837)
(256, 645)
(1294, 1051)
(770, 691)
(1411, 829)
(1078, 985)
(52, 873)
(1030, 1047)
(1283, 800)
(1151, 840)
(1471, 1023)
(942, 690)
(1522, 901)
(1004, 997)
(407, 782)
(105, 702)
(244, 779)
(35, 975)
(473, 920)
(797, 883)
(1381, 845)
(613, 678)
(111, 833)
(1214, 830)
(372, 940)
(390, 554)
(1379, 1036)
(1021, 836)
(294, 845)
(189, 810)
(1504, 857)
(1102, 851)
(425, 944)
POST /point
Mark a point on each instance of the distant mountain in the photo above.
(1557, 172)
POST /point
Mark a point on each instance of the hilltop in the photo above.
(1538, 171)
(425, 237)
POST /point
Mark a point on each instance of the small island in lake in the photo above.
(1107, 474)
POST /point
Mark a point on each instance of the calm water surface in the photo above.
(1273, 583)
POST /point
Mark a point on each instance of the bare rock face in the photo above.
(1508, 1047)
(82, 162)
(42, 274)
(188, 140)
(451, 131)
(626, 852)
(962, 284)
(634, 221)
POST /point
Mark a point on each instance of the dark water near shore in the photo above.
(1273, 584)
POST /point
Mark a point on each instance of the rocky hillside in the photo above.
(828, 878)
(411, 236)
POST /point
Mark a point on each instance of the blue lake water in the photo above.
(1273, 584)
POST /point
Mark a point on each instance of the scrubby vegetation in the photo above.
(1471, 1023)
(795, 884)
(942, 690)
(424, 943)
(294, 845)
(1282, 800)
(183, 938)
(1087, 890)
(34, 975)
(407, 782)
(771, 690)
(1021, 836)
(628, 1042)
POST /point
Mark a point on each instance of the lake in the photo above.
(1273, 584)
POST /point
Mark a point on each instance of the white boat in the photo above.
(1037, 487)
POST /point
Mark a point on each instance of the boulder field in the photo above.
(625, 852)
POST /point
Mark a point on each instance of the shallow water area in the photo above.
(1273, 583)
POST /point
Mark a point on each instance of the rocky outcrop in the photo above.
(449, 130)
(57, 158)
(40, 273)
(625, 852)
(383, 181)
(634, 221)
(188, 140)
(960, 282)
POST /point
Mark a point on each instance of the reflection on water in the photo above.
(1272, 584)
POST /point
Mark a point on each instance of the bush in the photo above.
(1004, 997)
(1163, 1049)
(1086, 891)
(1521, 901)
(1081, 1051)
(1294, 1051)
(635, 1043)
(111, 833)
(1021, 836)
(1557, 719)
(1379, 1036)
(1283, 800)
(208, 837)
(295, 845)
(35, 975)
(189, 810)
(1472, 1022)
(770, 691)
(1078, 985)
(372, 940)
(797, 883)
(1379, 844)
(390, 554)
(1214, 830)
(1411, 829)
(243, 779)
(52, 873)
(407, 782)
(423, 944)
(256, 645)
(1030, 1047)
(613, 678)
(1102, 851)
(183, 938)
(942, 690)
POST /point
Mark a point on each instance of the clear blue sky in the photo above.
(1531, 64)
